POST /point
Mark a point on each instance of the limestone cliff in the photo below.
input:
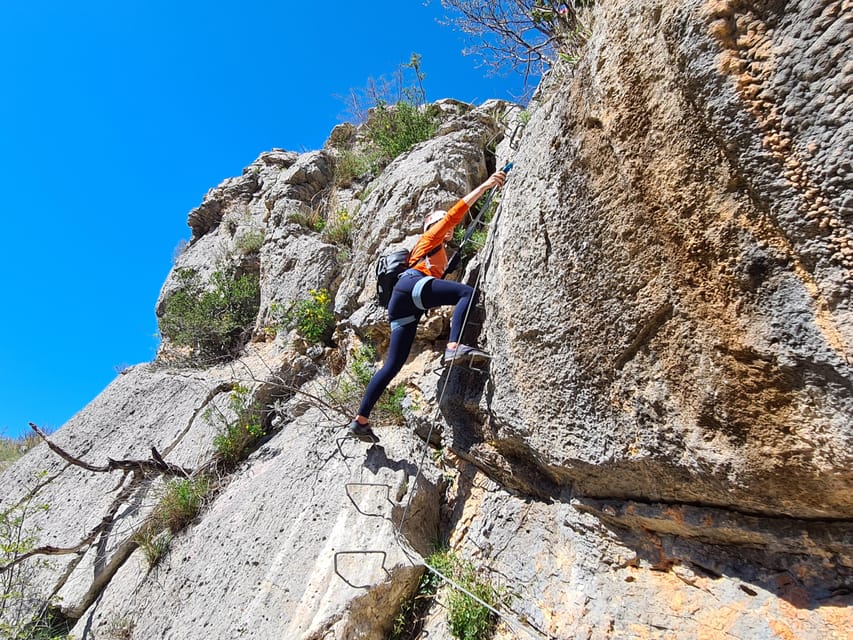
(661, 447)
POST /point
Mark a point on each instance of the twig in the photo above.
(154, 464)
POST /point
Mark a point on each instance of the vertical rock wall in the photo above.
(661, 447)
(687, 296)
(669, 410)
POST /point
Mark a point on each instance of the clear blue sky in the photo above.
(116, 119)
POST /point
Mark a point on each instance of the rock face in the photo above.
(692, 314)
(662, 445)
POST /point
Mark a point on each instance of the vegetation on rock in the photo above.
(212, 320)
(312, 316)
(351, 384)
(239, 433)
(26, 613)
(396, 117)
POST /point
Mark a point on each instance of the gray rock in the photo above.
(659, 329)
(300, 544)
(661, 444)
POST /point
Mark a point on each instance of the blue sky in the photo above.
(116, 119)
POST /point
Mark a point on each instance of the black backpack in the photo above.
(388, 270)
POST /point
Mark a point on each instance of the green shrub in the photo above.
(181, 502)
(409, 620)
(182, 499)
(312, 316)
(389, 407)
(399, 119)
(352, 164)
(479, 237)
(11, 449)
(475, 243)
(396, 129)
(361, 367)
(213, 321)
(48, 624)
(469, 620)
(312, 220)
(154, 543)
(241, 432)
(24, 612)
(250, 241)
(339, 229)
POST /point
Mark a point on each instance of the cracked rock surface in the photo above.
(660, 446)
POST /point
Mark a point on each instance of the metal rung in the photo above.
(368, 484)
(340, 449)
(353, 553)
(515, 137)
(477, 369)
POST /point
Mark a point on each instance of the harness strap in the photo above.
(399, 323)
(426, 256)
(418, 289)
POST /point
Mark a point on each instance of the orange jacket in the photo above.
(435, 264)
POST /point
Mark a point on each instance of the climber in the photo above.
(419, 288)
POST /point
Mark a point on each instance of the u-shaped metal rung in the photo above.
(368, 484)
(353, 553)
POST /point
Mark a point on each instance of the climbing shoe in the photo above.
(463, 351)
(362, 432)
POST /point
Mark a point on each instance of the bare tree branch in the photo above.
(523, 36)
(155, 464)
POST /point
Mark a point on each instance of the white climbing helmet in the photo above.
(433, 217)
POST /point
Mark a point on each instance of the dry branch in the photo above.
(155, 464)
(49, 550)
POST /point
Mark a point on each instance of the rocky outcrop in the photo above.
(297, 535)
(695, 326)
(661, 445)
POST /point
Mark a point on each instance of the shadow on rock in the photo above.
(461, 389)
(378, 459)
(807, 564)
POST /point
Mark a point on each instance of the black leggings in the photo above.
(436, 293)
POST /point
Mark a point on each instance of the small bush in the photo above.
(250, 241)
(469, 620)
(338, 229)
(351, 384)
(181, 502)
(389, 407)
(11, 449)
(240, 433)
(409, 621)
(25, 614)
(479, 237)
(154, 544)
(352, 164)
(399, 118)
(212, 321)
(475, 243)
(312, 220)
(312, 316)
(396, 129)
